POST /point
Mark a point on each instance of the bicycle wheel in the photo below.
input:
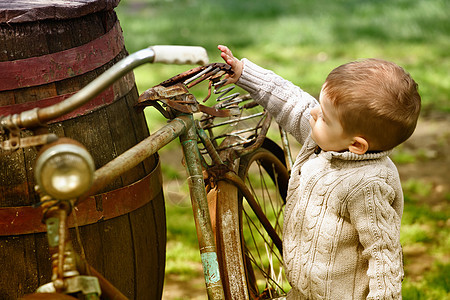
(251, 262)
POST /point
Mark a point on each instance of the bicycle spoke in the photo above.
(267, 276)
(249, 220)
(261, 178)
(260, 234)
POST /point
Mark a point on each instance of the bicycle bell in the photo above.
(64, 169)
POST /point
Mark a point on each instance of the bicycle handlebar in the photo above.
(180, 55)
(163, 54)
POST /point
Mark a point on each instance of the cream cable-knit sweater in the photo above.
(342, 217)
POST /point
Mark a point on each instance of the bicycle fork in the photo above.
(201, 214)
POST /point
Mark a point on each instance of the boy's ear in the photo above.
(359, 145)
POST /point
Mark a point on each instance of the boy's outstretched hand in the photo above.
(236, 64)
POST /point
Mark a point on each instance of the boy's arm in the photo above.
(378, 227)
(289, 105)
(286, 102)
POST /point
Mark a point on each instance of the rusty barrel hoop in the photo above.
(51, 50)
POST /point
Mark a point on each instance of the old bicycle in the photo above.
(238, 213)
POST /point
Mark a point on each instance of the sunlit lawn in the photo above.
(303, 41)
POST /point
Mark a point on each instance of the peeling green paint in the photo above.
(210, 267)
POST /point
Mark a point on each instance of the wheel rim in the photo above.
(265, 176)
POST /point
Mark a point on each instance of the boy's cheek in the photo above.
(313, 136)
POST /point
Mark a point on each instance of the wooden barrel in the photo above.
(49, 50)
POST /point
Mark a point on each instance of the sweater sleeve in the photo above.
(286, 102)
(378, 227)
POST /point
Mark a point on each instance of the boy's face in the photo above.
(327, 130)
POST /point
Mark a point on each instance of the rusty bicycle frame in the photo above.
(181, 126)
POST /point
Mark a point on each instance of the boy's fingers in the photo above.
(226, 53)
(223, 48)
(229, 58)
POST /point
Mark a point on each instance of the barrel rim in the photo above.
(22, 11)
(57, 66)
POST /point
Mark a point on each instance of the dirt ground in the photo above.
(430, 143)
(176, 288)
(430, 148)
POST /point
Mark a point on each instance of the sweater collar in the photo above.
(347, 155)
(311, 145)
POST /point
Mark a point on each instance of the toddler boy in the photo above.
(341, 232)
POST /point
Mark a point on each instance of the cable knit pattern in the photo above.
(343, 211)
(289, 104)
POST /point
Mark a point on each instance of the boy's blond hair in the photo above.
(375, 99)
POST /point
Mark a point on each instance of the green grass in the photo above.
(303, 41)
(183, 256)
(434, 286)
(425, 233)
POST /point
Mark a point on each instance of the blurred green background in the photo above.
(303, 41)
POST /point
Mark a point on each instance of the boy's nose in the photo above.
(314, 113)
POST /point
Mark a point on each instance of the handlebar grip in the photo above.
(180, 55)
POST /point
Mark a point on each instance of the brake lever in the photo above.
(14, 141)
(31, 141)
